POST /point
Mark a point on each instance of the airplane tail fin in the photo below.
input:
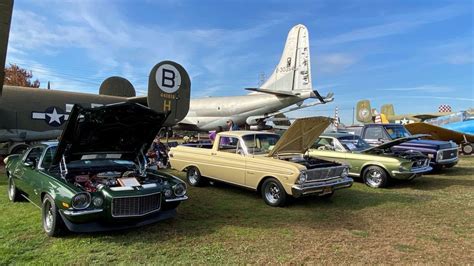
(363, 111)
(293, 73)
(388, 110)
(6, 10)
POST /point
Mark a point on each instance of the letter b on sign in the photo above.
(168, 78)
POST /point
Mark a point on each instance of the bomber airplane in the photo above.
(290, 84)
(365, 114)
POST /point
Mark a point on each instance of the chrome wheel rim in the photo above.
(193, 176)
(272, 193)
(374, 178)
(11, 189)
(48, 217)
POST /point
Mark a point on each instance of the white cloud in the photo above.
(394, 25)
(422, 88)
(335, 62)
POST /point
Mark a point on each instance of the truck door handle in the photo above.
(213, 153)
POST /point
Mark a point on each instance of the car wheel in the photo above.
(52, 222)
(13, 194)
(194, 177)
(273, 193)
(170, 205)
(375, 176)
(467, 149)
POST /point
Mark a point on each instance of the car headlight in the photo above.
(345, 172)
(303, 177)
(97, 201)
(439, 156)
(179, 189)
(5, 161)
(81, 201)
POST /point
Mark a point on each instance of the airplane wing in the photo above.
(429, 116)
(439, 133)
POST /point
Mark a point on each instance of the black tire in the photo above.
(53, 224)
(375, 176)
(166, 206)
(273, 193)
(194, 177)
(467, 149)
(13, 193)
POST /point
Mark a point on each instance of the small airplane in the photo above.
(365, 114)
(290, 84)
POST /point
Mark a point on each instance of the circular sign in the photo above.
(168, 78)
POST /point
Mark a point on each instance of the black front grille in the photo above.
(324, 173)
(450, 154)
(135, 206)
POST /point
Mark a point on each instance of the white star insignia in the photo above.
(404, 121)
(54, 117)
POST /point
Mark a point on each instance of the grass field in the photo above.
(427, 220)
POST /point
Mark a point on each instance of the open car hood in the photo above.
(395, 142)
(125, 129)
(301, 135)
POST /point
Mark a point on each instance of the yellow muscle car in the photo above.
(262, 161)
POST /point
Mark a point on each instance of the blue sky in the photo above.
(414, 54)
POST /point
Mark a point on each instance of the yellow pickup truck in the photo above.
(262, 161)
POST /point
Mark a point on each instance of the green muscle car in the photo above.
(95, 178)
(376, 165)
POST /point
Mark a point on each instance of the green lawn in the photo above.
(427, 220)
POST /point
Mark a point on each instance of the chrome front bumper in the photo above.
(321, 188)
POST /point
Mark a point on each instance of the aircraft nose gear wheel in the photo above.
(375, 177)
(273, 193)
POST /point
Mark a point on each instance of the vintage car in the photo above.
(443, 154)
(262, 161)
(95, 178)
(376, 165)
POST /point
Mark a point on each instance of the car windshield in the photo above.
(396, 132)
(260, 143)
(353, 143)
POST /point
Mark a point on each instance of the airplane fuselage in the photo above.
(29, 114)
(213, 112)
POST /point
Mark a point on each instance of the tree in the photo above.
(17, 76)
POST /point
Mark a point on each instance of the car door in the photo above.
(27, 174)
(228, 161)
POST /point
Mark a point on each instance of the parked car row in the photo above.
(96, 177)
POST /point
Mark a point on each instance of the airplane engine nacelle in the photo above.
(169, 90)
(254, 120)
(260, 127)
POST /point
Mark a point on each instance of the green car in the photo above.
(95, 178)
(376, 165)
